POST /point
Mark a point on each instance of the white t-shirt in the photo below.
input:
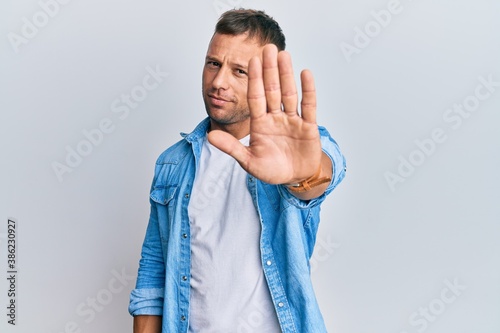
(229, 293)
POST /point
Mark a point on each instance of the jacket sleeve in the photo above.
(330, 148)
(147, 297)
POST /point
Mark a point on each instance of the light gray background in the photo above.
(382, 255)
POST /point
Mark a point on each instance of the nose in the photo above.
(221, 79)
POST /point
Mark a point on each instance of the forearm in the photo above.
(146, 300)
(147, 324)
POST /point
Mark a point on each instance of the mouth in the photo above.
(217, 101)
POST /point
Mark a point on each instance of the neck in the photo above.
(239, 130)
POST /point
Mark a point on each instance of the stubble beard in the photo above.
(224, 116)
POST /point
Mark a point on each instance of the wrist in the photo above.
(309, 183)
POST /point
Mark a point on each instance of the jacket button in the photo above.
(186, 195)
(184, 278)
(280, 304)
(184, 236)
(183, 318)
(268, 263)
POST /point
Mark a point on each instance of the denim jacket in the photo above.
(288, 235)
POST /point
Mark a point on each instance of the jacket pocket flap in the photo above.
(163, 194)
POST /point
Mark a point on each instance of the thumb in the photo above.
(229, 145)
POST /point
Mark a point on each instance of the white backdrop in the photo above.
(91, 92)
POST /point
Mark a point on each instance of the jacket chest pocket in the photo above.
(164, 197)
(163, 194)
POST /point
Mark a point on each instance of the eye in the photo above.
(213, 64)
(241, 72)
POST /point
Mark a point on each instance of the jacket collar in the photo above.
(199, 132)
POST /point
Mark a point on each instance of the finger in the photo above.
(229, 145)
(287, 81)
(271, 78)
(308, 103)
(256, 95)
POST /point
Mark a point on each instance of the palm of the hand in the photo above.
(282, 148)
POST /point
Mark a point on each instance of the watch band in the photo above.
(309, 183)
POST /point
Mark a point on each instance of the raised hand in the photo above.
(284, 145)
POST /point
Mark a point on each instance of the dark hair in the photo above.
(254, 22)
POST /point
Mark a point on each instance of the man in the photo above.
(235, 203)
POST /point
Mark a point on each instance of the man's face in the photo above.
(225, 79)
